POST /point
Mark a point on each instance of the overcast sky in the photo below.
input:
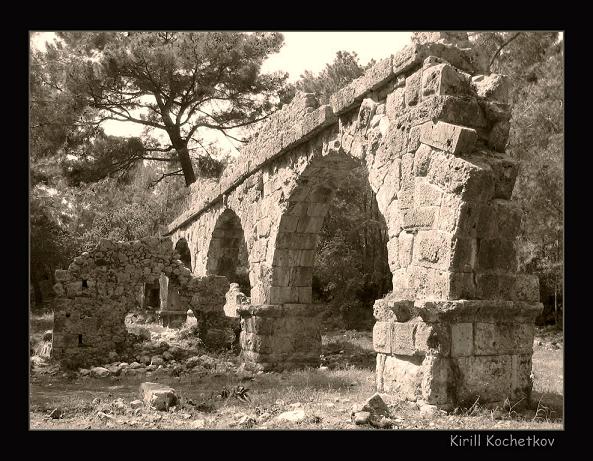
(301, 51)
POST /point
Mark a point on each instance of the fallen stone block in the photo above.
(294, 416)
(99, 372)
(361, 417)
(158, 396)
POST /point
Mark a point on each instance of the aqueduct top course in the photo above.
(428, 127)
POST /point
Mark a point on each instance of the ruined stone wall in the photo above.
(100, 287)
(429, 126)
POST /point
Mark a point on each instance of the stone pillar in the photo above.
(175, 313)
(280, 337)
(451, 353)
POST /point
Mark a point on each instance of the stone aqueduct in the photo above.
(428, 126)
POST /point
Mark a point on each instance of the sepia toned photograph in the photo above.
(299, 230)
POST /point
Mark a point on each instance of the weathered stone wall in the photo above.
(429, 128)
(100, 287)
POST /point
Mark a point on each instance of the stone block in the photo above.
(412, 91)
(451, 109)
(59, 289)
(393, 311)
(61, 275)
(304, 295)
(347, 97)
(527, 288)
(406, 243)
(488, 378)
(462, 339)
(459, 39)
(432, 248)
(414, 144)
(508, 216)
(393, 253)
(402, 337)
(310, 224)
(401, 376)
(436, 379)
(498, 254)
(505, 172)
(521, 381)
(281, 276)
(426, 194)
(382, 337)
(503, 338)
(495, 87)
(432, 338)
(495, 286)
(422, 217)
(158, 396)
(74, 288)
(395, 104)
(403, 284)
(444, 79)
(461, 286)
(318, 118)
(499, 136)
(300, 276)
(455, 139)
(464, 254)
(317, 209)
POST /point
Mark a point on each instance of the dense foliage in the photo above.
(535, 62)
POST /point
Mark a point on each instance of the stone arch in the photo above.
(306, 207)
(227, 251)
(431, 124)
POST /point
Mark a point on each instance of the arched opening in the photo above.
(227, 256)
(332, 232)
(182, 247)
(351, 267)
(330, 260)
(227, 253)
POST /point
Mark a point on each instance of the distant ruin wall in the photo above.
(100, 287)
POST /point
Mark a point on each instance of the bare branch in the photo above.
(164, 175)
(501, 47)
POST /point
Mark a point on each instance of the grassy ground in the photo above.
(325, 395)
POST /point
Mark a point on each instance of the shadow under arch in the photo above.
(182, 247)
(227, 252)
(302, 221)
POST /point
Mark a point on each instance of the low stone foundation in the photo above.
(172, 319)
(280, 337)
(453, 353)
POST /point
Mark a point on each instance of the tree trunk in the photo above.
(186, 166)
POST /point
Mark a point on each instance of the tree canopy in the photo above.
(175, 84)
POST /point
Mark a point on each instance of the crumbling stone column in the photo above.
(452, 353)
(280, 337)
